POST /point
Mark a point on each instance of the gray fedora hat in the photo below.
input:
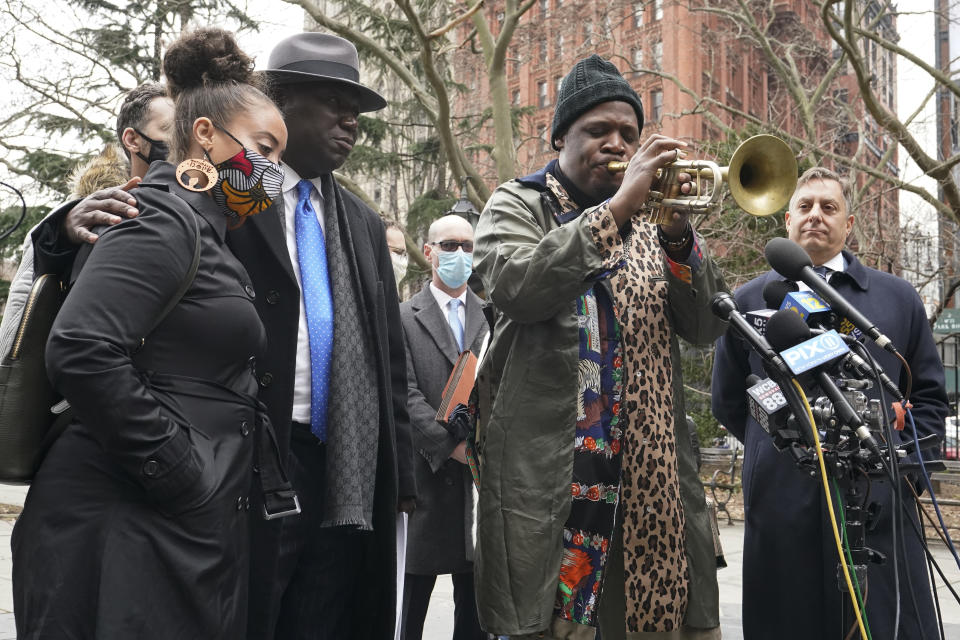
(321, 57)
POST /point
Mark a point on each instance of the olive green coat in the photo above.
(534, 270)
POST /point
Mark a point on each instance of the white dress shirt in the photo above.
(836, 263)
(443, 299)
(301, 378)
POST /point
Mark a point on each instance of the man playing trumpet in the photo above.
(591, 512)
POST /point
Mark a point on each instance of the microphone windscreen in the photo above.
(776, 290)
(786, 329)
(786, 257)
(722, 304)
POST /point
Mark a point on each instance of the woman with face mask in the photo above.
(136, 524)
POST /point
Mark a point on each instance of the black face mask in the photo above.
(158, 149)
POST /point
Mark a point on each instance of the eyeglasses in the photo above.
(453, 245)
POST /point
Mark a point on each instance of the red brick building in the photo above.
(700, 56)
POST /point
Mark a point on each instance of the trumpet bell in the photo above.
(762, 175)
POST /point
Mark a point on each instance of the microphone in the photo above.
(782, 294)
(790, 335)
(758, 319)
(725, 307)
(790, 260)
(779, 294)
(767, 404)
(776, 290)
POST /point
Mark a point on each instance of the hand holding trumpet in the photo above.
(640, 176)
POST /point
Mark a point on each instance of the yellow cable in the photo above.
(833, 518)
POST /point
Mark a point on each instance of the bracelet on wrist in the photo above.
(676, 245)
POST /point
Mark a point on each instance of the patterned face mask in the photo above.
(247, 183)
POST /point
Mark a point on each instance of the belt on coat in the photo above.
(279, 498)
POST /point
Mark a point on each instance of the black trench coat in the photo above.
(136, 524)
(261, 247)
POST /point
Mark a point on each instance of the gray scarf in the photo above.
(353, 417)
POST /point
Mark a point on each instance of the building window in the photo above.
(541, 138)
(656, 99)
(636, 57)
(559, 4)
(588, 32)
(542, 97)
(607, 27)
(544, 7)
(637, 15)
(559, 46)
(657, 51)
(543, 49)
(557, 82)
(516, 96)
(658, 9)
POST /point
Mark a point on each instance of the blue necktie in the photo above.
(823, 272)
(454, 319)
(318, 302)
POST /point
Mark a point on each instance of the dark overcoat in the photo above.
(261, 247)
(439, 539)
(790, 559)
(136, 524)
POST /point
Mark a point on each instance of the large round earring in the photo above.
(193, 182)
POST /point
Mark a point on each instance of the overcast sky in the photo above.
(913, 84)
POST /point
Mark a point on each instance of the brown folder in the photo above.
(459, 385)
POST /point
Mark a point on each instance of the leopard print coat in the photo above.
(534, 269)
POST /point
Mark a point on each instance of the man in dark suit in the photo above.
(440, 322)
(329, 573)
(789, 558)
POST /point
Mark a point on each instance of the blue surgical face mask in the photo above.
(454, 267)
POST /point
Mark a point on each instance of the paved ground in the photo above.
(440, 616)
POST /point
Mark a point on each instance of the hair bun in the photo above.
(204, 57)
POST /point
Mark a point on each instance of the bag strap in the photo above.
(187, 280)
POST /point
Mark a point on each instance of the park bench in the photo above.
(724, 483)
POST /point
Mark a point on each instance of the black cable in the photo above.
(932, 560)
(894, 474)
(23, 211)
(899, 508)
(933, 583)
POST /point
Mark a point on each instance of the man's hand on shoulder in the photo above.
(460, 453)
(105, 207)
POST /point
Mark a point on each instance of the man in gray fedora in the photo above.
(334, 375)
(338, 390)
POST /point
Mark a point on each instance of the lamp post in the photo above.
(464, 207)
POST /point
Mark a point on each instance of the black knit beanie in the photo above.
(592, 81)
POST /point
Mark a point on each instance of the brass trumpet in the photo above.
(762, 176)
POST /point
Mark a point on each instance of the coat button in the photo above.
(240, 503)
(244, 428)
(266, 379)
(249, 290)
(273, 296)
(150, 468)
(252, 362)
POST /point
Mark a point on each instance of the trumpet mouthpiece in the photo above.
(617, 167)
